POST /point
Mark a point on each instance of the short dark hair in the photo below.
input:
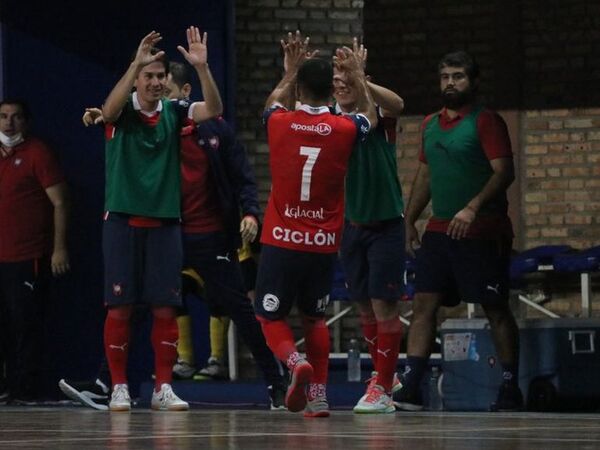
(462, 59)
(316, 77)
(21, 103)
(179, 74)
(163, 59)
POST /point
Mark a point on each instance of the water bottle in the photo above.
(354, 361)
(435, 400)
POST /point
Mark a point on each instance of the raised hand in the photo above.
(144, 55)
(197, 52)
(360, 51)
(345, 59)
(295, 51)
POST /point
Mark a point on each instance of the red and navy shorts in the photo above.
(141, 264)
(287, 277)
(467, 270)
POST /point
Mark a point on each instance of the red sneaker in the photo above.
(295, 398)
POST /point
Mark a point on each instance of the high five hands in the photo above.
(295, 51)
(197, 52)
(143, 55)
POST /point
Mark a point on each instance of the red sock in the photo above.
(369, 328)
(164, 342)
(279, 337)
(316, 334)
(389, 335)
(116, 346)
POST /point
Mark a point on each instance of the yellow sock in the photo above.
(185, 348)
(218, 337)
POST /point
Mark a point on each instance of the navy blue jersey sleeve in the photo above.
(267, 113)
(363, 126)
(231, 170)
(183, 109)
(241, 174)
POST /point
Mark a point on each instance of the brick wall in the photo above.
(260, 25)
(560, 173)
(560, 123)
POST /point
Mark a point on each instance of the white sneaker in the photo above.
(120, 399)
(375, 401)
(166, 400)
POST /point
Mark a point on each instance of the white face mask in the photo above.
(11, 141)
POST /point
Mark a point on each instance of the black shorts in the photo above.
(287, 277)
(249, 272)
(209, 254)
(373, 259)
(141, 265)
(468, 270)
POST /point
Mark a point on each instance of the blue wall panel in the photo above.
(60, 60)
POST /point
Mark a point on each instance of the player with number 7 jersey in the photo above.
(309, 150)
(309, 153)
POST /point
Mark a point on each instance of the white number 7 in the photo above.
(313, 154)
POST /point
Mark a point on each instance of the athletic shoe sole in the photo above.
(171, 408)
(81, 397)
(295, 398)
(120, 408)
(388, 410)
(408, 406)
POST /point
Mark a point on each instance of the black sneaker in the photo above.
(509, 398)
(405, 400)
(94, 394)
(277, 397)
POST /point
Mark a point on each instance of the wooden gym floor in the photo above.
(82, 428)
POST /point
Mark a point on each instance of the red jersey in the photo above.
(308, 157)
(26, 213)
(200, 209)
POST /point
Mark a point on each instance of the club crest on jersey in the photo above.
(296, 212)
(18, 161)
(323, 129)
(117, 289)
(213, 141)
(270, 302)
